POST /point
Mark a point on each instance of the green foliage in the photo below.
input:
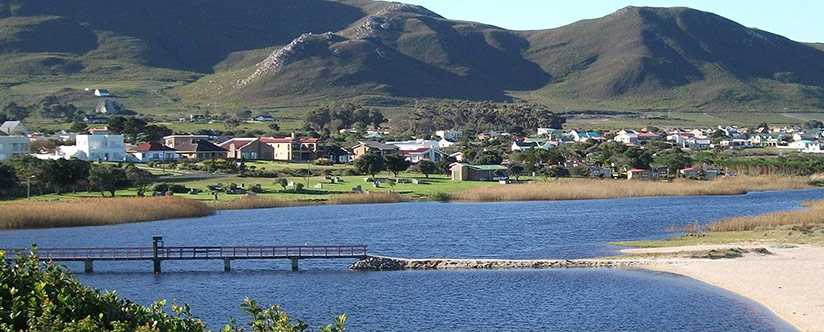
(371, 163)
(479, 116)
(8, 180)
(107, 179)
(396, 164)
(427, 167)
(37, 297)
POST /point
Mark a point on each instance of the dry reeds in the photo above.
(579, 189)
(246, 203)
(98, 211)
(370, 198)
(812, 214)
(266, 203)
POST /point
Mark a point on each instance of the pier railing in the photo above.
(158, 252)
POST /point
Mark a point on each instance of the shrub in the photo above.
(35, 297)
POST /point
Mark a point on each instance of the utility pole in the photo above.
(28, 186)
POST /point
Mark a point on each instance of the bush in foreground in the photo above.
(34, 297)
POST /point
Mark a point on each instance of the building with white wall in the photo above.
(96, 148)
(13, 146)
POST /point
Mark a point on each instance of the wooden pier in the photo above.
(158, 253)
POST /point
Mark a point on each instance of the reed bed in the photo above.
(98, 211)
(247, 203)
(370, 198)
(580, 189)
(811, 215)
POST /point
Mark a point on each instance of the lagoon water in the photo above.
(592, 300)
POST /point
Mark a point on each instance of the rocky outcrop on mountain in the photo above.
(305, 45)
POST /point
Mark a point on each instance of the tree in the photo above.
(396, 164)
(15, 112)
(8, 180)
(140, 179)
(516, 170)
(673, 159)
(107, 179)
(231, 123)
(78, 127)
(153, 133)
(283, 182)
(488, 158)
(427, 167)
(371, 163)
(318, 119)
(376, 118)
(274, 126)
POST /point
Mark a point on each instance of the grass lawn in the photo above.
(781, 235)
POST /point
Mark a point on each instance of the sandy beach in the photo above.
(790, 282)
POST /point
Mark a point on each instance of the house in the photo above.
(550, 132)
(488, 135)
(585, 136)
(364, 148)
(153, 151)
(600, 172)
(337, 155)
(735, 143)
(98, 146)
(102, 93)
(418, 150)
(449, 135)
(247, 149)
(809, 135)
(264, 118)
(94, 119)
(523, 146)
(292, 148)
(700, 172)
(13, 146)
(627, 137)
(653, 174)
(646, 136)
(108, 106)
(458, 156)
(444, 143)
(817, 147)
(194, 147)
(14, 128)
(467, 172)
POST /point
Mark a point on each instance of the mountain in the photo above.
(281, 52)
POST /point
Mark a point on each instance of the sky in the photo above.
(800, 20)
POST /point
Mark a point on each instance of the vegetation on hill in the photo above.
(35, 297)
(259, 53)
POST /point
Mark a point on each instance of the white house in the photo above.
(102, 93)
(449, 135)
(445, 143)
(154, 151)
(584, 136)
(629, 137)
(13, 128)
(418, 150)
(96, 147)
(12, 146)
(814, 148)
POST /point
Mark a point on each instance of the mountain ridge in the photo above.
(263, 52)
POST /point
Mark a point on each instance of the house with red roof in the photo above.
(291, 148)
(153, 151)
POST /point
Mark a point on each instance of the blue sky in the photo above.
(801, 20)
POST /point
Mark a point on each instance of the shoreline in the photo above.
(787, 281)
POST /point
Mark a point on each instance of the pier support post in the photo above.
(88, 266)
(294, 264)
(157, 242)
(227, 265)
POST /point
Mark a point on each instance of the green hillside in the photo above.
(162, 57)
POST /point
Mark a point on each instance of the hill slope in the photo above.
(265, 52)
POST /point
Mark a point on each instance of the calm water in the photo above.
(605, 300)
